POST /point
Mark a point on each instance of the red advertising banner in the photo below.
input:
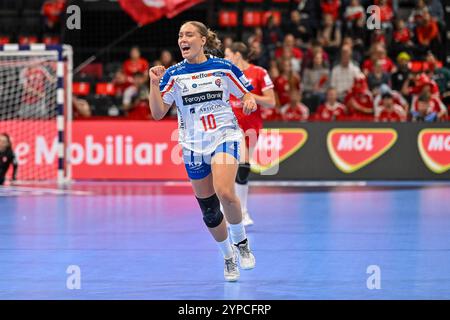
(275, 146)
(35, 144)
(434, 147)
(353, 148)
(149, 150)
(140, 150)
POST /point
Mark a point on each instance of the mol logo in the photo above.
(353, 148)
(434, 148)
(275, 146)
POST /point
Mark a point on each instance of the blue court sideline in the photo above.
(148, 241)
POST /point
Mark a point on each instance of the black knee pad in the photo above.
(212, 216)
(243, 173)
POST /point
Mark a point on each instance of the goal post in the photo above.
(36, 108)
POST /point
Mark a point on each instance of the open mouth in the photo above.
(185, 49)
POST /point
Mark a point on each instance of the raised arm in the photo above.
(157, 106)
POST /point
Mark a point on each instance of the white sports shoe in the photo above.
(246, 220)
(231, 269)
(246, 258)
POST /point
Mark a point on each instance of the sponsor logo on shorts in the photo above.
(202, 97)
(354, 148)
(195, 166)
(434, 148)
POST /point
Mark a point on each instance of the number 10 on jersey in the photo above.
(209, 122)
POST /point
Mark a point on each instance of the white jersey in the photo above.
(201, 93)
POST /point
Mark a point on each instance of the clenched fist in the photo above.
(156, 73)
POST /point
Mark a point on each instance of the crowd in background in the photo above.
(327, 65)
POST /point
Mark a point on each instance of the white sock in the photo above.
(242, 193)
(237, 232)
(225, 247)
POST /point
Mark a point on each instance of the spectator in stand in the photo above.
(257, 35)
(135, 98)
(426, 87)
(315, 82)
(354, 12)
(330, 36)
(357, 49)
(377, 77)
(258, 55)
(378, 54)
(121, 82)
(441, 75)
(422, 83)
(308, 57)
(386, 17)
(378, 36)
(227, 42)
(290, 51)
(427, 34)
(287, 81)
(344, 74)
(331, 7)
(272, 35)
(298, 28)
(402, 38)
(81, 108)
(401, 76)
(135, 63)
(396, 96)
(424, 112)
(434, 104)
(358, 33)
(273, 71)
(416, 16)
(359, 100)
(331, 109)
(166, 59)
(36, 101)
(389, 110)
(52, 11)
(295, 110)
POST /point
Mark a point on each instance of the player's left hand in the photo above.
(249, 106)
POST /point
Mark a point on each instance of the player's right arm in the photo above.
(158, 106)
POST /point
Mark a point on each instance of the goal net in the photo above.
(35, 109)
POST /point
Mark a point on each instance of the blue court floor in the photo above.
(148, 241)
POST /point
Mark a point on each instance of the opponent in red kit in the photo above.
(251, 124)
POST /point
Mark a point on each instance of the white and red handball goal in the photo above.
(36, 108)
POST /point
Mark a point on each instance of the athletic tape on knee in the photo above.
(243, 173)
(212, 216)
